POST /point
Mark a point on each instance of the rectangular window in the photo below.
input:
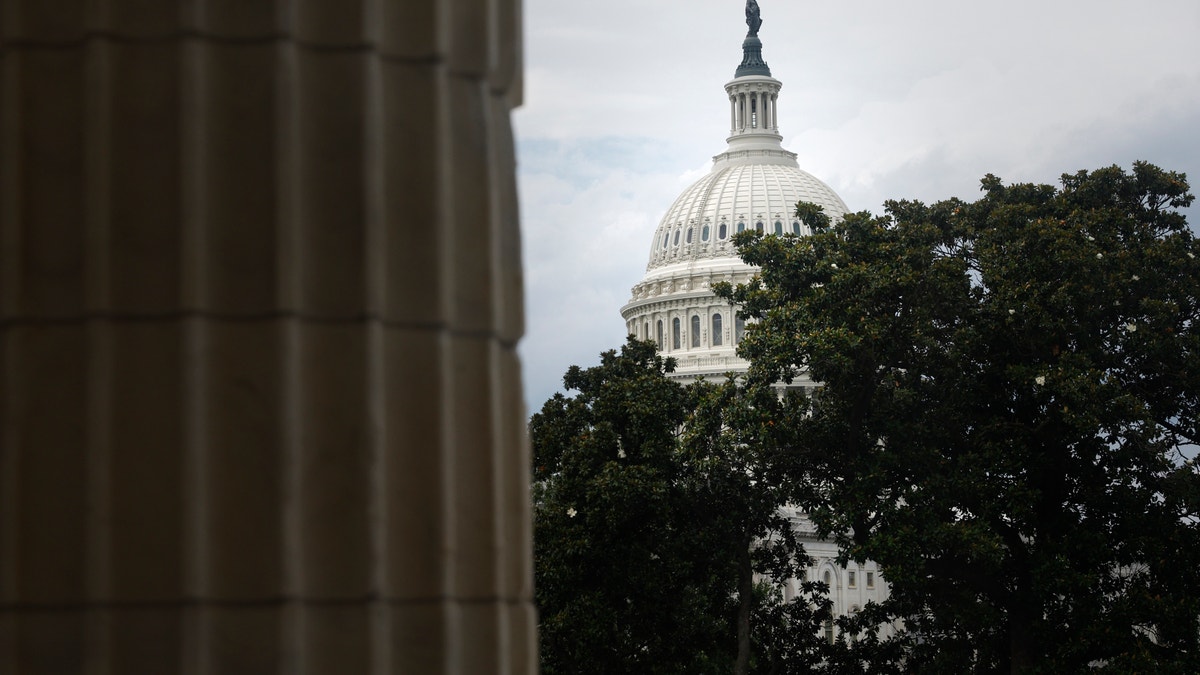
(870, 580)
(850, 579)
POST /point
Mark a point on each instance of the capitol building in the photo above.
(754, 184)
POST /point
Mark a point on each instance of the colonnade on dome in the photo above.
(703, 333)
(753, 106)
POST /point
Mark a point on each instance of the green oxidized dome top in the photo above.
(752, 60)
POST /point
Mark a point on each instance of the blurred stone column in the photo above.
(260, 293)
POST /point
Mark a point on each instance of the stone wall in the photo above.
(260, 293)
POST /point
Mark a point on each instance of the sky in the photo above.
(624, 107)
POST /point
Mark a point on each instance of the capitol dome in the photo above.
(754, 184)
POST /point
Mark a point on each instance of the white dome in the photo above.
(691, 250)
(735, 197)
(754, 184)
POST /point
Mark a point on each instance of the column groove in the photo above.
(260, 295)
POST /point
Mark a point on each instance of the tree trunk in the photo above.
(1022, 647)
(1020, 652)
(745, 602)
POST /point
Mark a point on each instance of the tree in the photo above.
(1010, 395)
(726, 445)
(653, 522)
(615, 591)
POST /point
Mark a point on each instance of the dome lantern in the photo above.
(754, 102)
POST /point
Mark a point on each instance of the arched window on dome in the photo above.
(695, 331)
(688, 238)
(739, 330)
(795, 227)
(661, 345)
(779, 228)
(759, 226)
(676, 340)
(716, 330)
(741, 227)
(666, 239)
(676, 237)
(704, 233)
(722, 232)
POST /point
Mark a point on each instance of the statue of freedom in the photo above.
(753, 18)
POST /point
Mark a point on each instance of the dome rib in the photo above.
(744, 189)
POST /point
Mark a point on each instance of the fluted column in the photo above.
(260, 293)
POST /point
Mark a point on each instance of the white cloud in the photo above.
(587, 222)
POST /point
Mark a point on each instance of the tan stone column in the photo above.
(260, 292)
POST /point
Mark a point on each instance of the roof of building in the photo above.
(740, 196)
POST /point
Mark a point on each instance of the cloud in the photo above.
(625, 107)
(589, 208)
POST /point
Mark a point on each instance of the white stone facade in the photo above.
(851, 585)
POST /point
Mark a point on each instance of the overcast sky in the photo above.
(625, 107)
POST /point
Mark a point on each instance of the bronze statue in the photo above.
(753, 19)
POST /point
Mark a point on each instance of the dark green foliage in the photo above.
(650, 515)
(1011, 389)
(727, 445)
(615, 591)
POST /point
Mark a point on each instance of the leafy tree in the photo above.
(613, 572)
(1011, 389)
(726, 446)
(653, 523)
